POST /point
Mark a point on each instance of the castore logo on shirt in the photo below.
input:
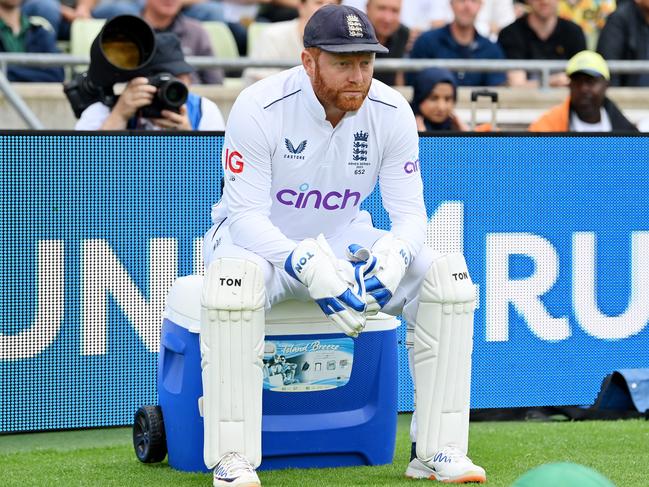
(294, 151)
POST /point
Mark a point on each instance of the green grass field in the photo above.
(618, 449)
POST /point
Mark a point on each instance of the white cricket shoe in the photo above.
(449, 465)
(234, 469)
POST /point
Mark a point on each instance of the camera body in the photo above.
(171, 94)
(82, 92)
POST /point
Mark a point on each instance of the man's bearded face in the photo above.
(343, 80)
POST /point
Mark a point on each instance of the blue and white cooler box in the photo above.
(328, 400)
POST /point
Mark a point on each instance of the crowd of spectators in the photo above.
(417, 29)
(541, 34)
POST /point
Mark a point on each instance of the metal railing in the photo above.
(542, 67)
(19, 104)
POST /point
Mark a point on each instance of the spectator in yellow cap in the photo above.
(587, 109)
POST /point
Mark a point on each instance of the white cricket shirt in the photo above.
(290, 175)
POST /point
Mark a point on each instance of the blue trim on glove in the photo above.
(288, 267)
(350, 299)
(371, 265)
(373, 283)
(375, 288)
(329, 305)
(332, 305)
(353, 248)
(382, 296)
(359, 277)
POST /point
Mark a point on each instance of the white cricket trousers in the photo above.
(281, 287)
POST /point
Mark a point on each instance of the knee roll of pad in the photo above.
(443, 344)
(232, 347)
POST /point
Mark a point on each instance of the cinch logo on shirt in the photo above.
(411, 166)
(305, 198)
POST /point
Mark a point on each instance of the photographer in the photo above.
(197, 113)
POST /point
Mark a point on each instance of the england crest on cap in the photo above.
(340, 29)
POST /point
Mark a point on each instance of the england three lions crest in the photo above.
(354, 26)
(359, 150)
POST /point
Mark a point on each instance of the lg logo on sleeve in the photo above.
(233, 161)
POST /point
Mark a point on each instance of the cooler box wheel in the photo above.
(149, 439)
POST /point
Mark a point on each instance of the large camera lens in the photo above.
(122, 49)
(172, 93)
(127, 42)
(122, 52)
(175, 93)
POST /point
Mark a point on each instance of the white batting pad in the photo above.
(442, 356)
(232, 347)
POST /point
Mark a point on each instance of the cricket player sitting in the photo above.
(303, 149)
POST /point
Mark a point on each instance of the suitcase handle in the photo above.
(475, 94)
(493, 96)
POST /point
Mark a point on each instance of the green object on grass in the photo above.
(562, 475)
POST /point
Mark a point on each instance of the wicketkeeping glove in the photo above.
(386, 265)
(335, 284)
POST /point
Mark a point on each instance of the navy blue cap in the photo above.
(340, 29)
(168, 56)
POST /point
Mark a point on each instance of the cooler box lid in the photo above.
(287, 318)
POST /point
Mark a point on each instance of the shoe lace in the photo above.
(235, 463)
